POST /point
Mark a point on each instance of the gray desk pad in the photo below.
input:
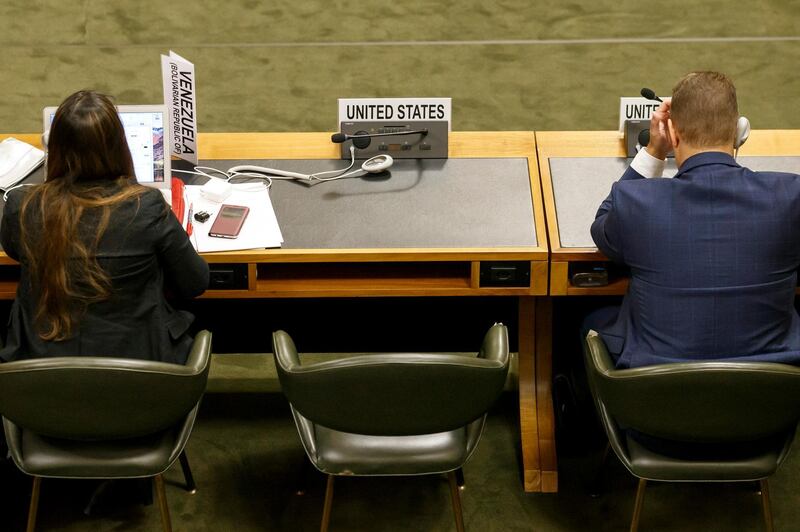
(453, 203)
(580, 184)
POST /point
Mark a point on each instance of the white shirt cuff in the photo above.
(646, 165)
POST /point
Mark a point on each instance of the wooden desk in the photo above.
(552, 145)
(403, 271)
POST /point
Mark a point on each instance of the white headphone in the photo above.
(373, 165)
(742, 132)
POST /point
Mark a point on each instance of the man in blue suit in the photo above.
(713, 252)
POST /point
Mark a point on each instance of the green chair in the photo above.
(106, 418)
(725, 421)
(392, 414)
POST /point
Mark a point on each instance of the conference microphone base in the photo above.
(432, 145)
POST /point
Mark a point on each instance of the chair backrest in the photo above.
(98, 398)
(395, 394)
(710, 402)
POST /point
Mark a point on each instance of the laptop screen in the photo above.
(144, 130)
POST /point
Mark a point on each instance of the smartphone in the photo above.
(229, 221)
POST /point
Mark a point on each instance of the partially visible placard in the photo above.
(180, 97)
(635, 108)
(395, 109)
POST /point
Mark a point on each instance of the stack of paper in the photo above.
(260, 229)
(17, 160)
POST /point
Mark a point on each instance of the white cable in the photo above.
(318, 175)
(334, 178)
(375, 164)
(285, 174)
(225, 176)
(266, 181)
(206, 171)
(20, 185)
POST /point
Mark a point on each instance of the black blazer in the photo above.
(713, 254)
(144, 251)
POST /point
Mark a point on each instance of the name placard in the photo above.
(180, 97)
(635, 108)
(395, 109)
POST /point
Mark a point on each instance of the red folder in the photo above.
(178, 205)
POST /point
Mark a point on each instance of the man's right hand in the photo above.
(660, 143)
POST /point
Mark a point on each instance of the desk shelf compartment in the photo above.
(363, 279)
(617, 287)
(9, 279)
(561, 283)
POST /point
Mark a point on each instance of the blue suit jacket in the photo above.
(713, 254)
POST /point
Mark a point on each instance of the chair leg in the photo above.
(326, 509)
(456, 498)
(191, 487)
(765, 505)
(166, 522)
(34, 507)
(460, 478)
(637, 508)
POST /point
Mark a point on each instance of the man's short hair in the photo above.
(704, 109)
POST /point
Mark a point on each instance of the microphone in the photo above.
(650, 95)
(338, 138)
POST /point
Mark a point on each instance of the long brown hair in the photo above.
(87, 152)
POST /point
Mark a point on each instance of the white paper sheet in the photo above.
(17, 160)
(260, 229)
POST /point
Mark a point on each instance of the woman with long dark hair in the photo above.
(97, 250)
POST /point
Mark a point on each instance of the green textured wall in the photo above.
(507, 64)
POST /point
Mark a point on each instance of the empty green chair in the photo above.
(724, 421)
(97, 417)
(392, 414)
